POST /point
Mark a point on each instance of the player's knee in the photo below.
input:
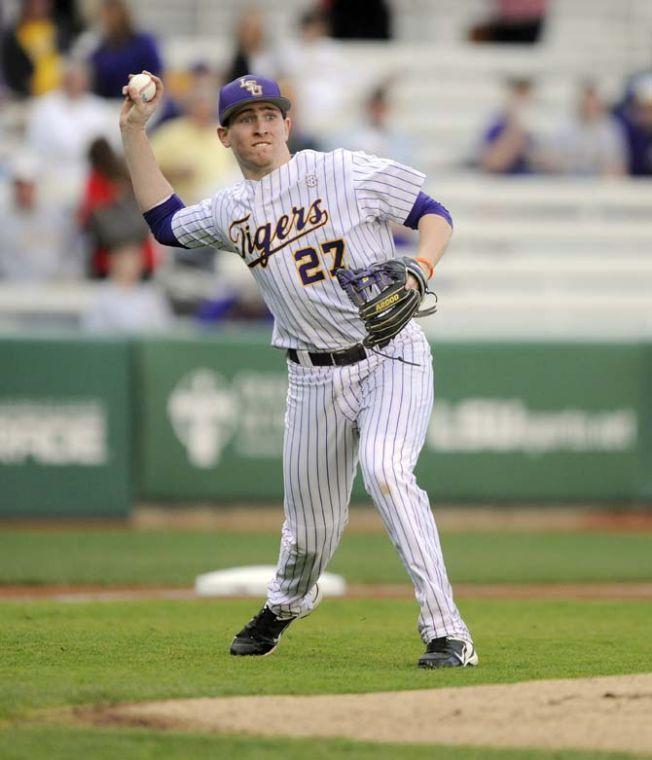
(382, 478)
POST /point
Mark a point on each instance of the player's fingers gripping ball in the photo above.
(384, 301)
(142, 87)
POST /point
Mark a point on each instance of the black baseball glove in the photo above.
(384, 301)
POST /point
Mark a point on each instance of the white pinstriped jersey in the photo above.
(298, 224)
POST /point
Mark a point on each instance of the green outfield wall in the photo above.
(212, 418)
(201, 419)
(66, 427)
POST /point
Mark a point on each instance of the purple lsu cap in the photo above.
(249, 89)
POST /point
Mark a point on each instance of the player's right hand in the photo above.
(136, 112)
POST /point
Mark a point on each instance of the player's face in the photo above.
(258, 136)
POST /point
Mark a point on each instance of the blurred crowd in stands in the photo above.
(597, 139)
(69, 212)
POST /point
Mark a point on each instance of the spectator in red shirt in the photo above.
(109, 213)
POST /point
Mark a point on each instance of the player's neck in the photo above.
(251, 171)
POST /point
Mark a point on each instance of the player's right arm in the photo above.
(171, 222)
(150, 186)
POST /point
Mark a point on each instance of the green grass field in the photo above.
(138, 744)
(165, 557)
(54, 655)
(101, 653)
(109, 652)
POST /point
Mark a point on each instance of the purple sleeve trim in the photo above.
(159, 220)
(423, 205)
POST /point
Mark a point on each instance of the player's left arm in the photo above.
(435, 227)
(390, 191)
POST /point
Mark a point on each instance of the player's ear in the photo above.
(288, 127)
(223, 134)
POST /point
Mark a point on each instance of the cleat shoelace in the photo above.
(265, 625)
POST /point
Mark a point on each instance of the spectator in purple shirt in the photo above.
(507, 143)
(122, 51)
(635, 115)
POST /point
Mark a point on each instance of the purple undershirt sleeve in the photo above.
(159, 220)
(423, 205)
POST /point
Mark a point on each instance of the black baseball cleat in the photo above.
(262, 633)
(448, 652)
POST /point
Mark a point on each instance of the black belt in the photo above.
(335, 359)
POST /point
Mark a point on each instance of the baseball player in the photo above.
(298, 222)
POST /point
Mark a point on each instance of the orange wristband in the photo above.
(431, 268)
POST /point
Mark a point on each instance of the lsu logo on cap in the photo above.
(251, 85)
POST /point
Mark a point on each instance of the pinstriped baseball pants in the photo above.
(374, 412)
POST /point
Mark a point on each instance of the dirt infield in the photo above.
(363, 519)
(569, 591)
(607, 713)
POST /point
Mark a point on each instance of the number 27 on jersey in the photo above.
(310, 266)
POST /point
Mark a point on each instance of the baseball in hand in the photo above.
(142, 87)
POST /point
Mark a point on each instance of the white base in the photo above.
(253, 581)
